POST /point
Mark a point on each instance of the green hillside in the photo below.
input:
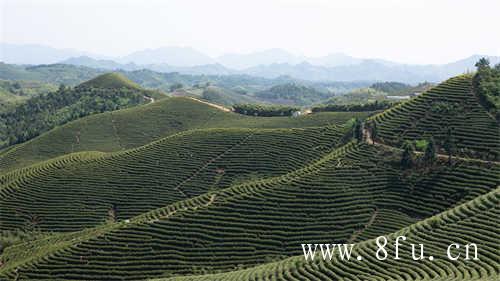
(133, 127)
(449, 107)
(249, 224)
(44, 112)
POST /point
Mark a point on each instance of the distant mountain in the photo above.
(270, 64)
(177, 56)
(96, 63)
(369, 70)
(332, 60)
(36, 54)
(271, 56)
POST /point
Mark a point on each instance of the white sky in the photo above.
(412, 31)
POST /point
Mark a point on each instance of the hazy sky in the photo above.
(412, 31)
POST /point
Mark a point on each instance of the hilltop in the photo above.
(113, 80)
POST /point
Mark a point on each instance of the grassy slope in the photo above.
(260, 221)
(129, 128)
(451, 104)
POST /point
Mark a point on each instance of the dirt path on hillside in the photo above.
(150, 99)
(367, 225)
(211, 104)
(367, 137)
(179, 186)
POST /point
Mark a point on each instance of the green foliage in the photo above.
(449, 144)
(292, 93)
(358, 130)
(486, 84)
(373, 106)
(264, 110)
(400, 89)
(175, 86)
(421, 145)
(390, 87)
(430, 153)
(408, 156)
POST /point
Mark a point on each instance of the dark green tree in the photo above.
(482, 63)
(358, 130)
(430, 152)
(374, 130)
(449, 144)
(407, 159)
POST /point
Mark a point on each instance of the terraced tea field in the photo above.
(451, 105)
(71, 193)
(261, 221)
(130, 128)
(476, 220)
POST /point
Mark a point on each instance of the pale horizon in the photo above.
(411, 32)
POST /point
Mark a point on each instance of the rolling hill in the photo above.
(133, 127)
(180, 190)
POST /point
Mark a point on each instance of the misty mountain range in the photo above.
(270, 63)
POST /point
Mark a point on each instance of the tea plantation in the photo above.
(178, 190)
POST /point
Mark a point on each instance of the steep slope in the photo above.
(133, 127)
(471, 222)
(449, 106)
(352, 193)
(71, 195)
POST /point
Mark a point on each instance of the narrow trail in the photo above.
(178, 187)
(367, 225)
(211, 104)
(193, 208)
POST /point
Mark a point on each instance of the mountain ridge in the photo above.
(269, 63)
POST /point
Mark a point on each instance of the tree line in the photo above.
(265, 110)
